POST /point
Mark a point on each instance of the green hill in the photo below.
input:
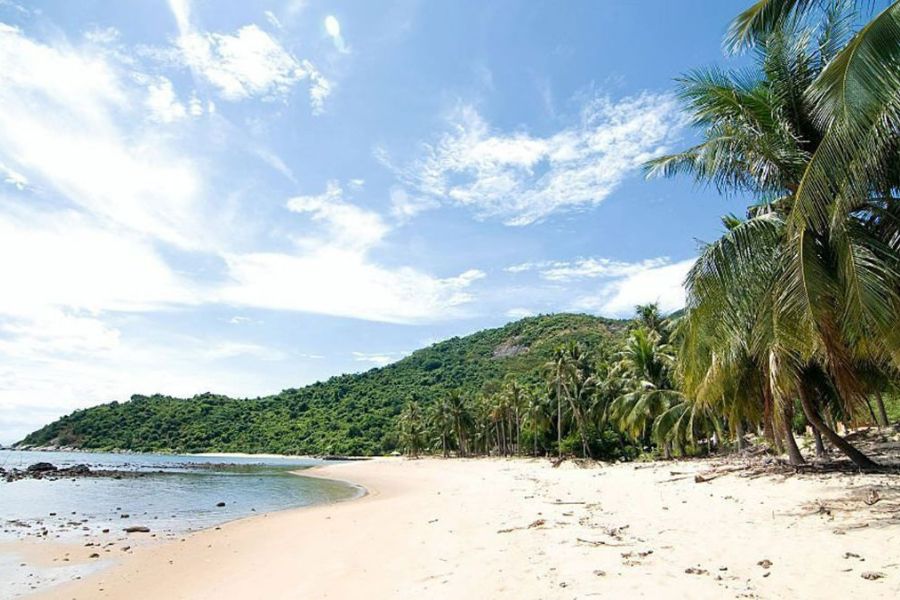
(348, 414)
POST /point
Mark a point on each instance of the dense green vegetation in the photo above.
(349, 414)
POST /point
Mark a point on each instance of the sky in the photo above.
(244, 197)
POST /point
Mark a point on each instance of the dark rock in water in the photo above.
(41, 467)
(220, 504)
(137, 529)
(78, 470)
(124, 516)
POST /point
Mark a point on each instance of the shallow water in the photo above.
(175, 494)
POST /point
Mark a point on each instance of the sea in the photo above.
(170, 494)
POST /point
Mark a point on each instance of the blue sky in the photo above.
(242, 197)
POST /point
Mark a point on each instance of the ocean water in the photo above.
(174, 495)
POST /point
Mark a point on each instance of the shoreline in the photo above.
(453, 528)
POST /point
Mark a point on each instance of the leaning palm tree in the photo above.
(834, 278)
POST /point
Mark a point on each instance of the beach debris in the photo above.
(872, 575)
(536, 523)
(137, 529)
(765, 563)
(696, 571)
(599, 572)
(872, 497)
(853, 555)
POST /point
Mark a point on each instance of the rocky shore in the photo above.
(49, 471)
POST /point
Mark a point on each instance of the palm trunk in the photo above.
(859, 459)
(820, 445)
(558, 418)
(794, 456)
(879, 401)
(739, 432)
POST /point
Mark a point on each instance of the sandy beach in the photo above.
(436, 528)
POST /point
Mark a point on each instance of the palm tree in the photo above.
(514, 396)
(827, 281)
(412, 428)
(645, 369)
(441, 422)
(558, 370)
(579, 390)
(536, 417)
(461, 418)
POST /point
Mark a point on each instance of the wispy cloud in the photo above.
(662, 284)
(586, 268)
(523, 178)
(333, 30)
(248, 63)
(379, 359)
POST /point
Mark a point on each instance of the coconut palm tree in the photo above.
(412, 428)
(558, 370)
(461, 418)
(536, 417)
(832, 278)
(645, 368)
(441, 422)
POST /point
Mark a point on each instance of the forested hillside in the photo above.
(348, 414)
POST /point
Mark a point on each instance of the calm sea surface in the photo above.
(182, 497)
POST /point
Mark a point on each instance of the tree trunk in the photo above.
(820, 445)
(881, 410)
(558, 418)
(739, 432)
(794, 456)
(859, 459)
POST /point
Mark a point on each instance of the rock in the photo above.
(137, 529)
(41, 467)
(94, 555)
(765, 563)
(220, 504)
(79, 470)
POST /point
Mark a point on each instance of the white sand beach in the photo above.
(435, 528)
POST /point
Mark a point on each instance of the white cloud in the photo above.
(333, 29)
(106, 35)
(405, 206)
(163, 103)
(13, 177)
(68, 262)
(379, 359)
(520, 313)
(347, 226)
(660, 284)
(61, 115)
(586, 268)
(273, 20)
(521, 178)
(248, 63)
